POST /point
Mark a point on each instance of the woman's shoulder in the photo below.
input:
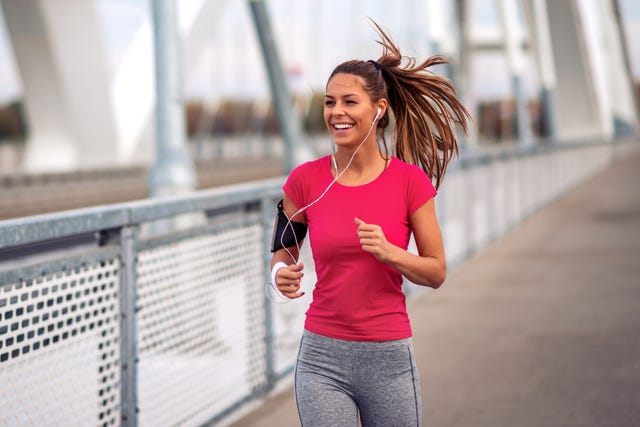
(311, 166)
(412, 175)
(407, 169)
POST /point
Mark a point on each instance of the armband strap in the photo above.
(286, 233)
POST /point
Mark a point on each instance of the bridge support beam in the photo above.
(593, 96)
(66, 84)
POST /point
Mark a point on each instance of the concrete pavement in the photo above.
(541, 329)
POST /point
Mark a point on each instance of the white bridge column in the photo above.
(592, 82)
(62, 64)
(618, 81)
(577, 113)
(79, 115)
(535, 12)
(508, 12)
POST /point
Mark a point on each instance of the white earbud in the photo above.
(377, 115)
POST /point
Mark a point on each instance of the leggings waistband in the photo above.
(355, 345)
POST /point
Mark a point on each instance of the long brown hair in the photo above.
(425, 107)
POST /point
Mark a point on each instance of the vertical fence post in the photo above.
(507, 160)
(466, 168)
(128, 325)
(267, 213)
(491, 185)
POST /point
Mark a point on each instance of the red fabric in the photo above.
(357, 297)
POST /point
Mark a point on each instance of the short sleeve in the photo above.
(419, 189)
(293, 187)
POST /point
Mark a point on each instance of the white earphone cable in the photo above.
(335, 179)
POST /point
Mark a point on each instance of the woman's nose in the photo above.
(338, 110)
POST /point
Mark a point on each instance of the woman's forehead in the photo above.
(342, 82)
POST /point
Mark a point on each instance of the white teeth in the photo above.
(342, 126)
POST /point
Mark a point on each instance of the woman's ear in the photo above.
(382, 107)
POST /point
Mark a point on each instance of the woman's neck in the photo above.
(366, 166)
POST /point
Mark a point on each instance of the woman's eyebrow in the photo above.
(347, 95)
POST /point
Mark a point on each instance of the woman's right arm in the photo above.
(288, 278)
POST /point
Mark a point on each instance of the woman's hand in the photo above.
(373, 240)
(429, 267)
(288, 280)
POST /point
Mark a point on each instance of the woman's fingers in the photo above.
(373, 240)
(290, 275)
(288, 280)
(369, 234)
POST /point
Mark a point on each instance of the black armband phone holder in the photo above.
(286, 233)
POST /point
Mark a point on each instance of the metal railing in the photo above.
(153, 313)
(218, 161)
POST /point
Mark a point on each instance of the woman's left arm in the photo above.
(429, 267)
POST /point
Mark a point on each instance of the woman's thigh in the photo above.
(323, 384)
(388, 388)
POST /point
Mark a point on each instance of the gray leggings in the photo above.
(338, 382)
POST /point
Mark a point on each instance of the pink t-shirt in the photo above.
(357, 297)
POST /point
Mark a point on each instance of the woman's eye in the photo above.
(328, 103)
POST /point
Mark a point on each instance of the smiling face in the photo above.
(349, 110)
